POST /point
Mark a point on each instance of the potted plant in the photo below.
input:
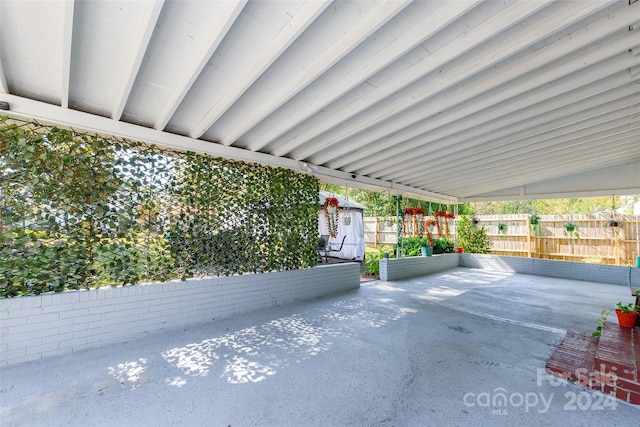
(571, 231)
(502, 228)
(331, 213)
(627, 314)
(612, 223)
(534, 222)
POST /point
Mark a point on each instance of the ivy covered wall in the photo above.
(80, 210)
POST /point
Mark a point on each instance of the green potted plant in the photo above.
(627, 314)
(571, 231)
(502, 228)
(613, 223)
(534, 221)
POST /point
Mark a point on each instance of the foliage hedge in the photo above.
(80, 210)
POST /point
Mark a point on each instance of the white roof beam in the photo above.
(4, 88)
(602, 91)
(475, 37)
(3, 78)
(549, 140)
(457, 111)
(374, 20)
(225, 17)
(67, 38)
(490, 167)
(568, 157)
(431, 24)
(558, 50)
(527, 100)
(287, 35)
(601, 158)
(594, 183)
(476, 147)
(135, 61)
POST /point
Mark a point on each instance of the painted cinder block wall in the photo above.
(33, 327)
(605, 273)
(402, 268)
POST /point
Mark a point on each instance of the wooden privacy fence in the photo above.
(593, 240)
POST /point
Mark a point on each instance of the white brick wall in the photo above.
(400, 268)
(614, 274)
(396, 269)
(33, 327)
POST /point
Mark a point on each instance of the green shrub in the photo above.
(443, 246)
(411, 246)
(471, 238)
(372, 260)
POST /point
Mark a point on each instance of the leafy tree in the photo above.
(585, 205)
(381, 204)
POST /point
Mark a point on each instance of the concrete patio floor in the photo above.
(439, 350)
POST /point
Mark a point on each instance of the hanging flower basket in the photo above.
(409, 211)
(428, 226)
(331, 215)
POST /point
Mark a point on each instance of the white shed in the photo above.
(353, 248)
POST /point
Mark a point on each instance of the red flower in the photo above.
(331, 201)
(331, 217)
(409, 211)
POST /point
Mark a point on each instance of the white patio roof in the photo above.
(455, 100)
